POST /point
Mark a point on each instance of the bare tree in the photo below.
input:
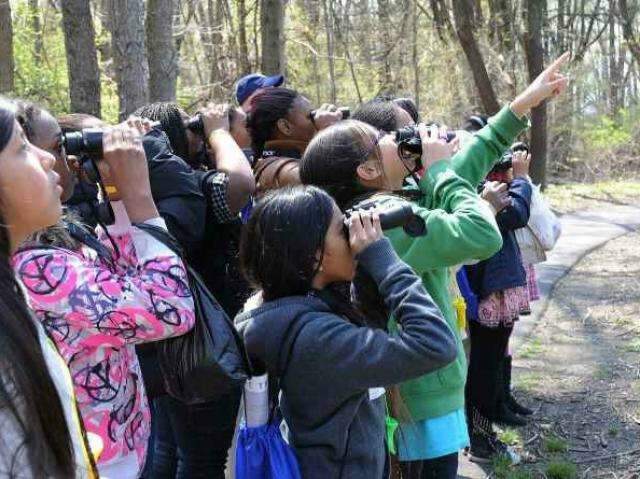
(628, 19)
(6, 47)
(535, 63)
(463, 12)
(272, 32)
(130, 54)
(161, 49)
(243, 47)
(82, 58)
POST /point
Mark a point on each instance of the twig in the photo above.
(608, 456)
(529, 441)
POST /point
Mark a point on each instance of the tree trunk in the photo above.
(6, 48)
(82, 57)
(272, 33)
(535, 64)
(415, 65)
(243, 47)
(36, 27)
(163, 57)
(627, 18)
(129, 54)
(463, 14)
(328, 22)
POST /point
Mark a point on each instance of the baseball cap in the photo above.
(247, 85)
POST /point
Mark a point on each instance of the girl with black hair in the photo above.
(97, 307)
(329, 362)
(192, 441)
(351, 161)
(281, 124)
(384, 114)
(40, 431)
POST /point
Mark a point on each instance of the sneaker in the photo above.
(485, 449)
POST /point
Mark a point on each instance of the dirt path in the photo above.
(580, 371)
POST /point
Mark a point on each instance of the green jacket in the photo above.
(460, 229)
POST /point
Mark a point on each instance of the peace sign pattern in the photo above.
(96, 311)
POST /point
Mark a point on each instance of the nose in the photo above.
(46, 159)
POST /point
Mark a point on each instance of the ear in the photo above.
(284, 126)
(369, 171)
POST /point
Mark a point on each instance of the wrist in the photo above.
(215, 136)
(140, 206)
(520, 107)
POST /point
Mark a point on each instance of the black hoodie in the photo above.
(336, 430)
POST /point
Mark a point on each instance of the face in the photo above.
(395, 170)
(337, 261)
(195, 142)
(48, 137)
(239, 130)
(29, 187)
(298, 125)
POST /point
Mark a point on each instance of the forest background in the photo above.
(454, 57)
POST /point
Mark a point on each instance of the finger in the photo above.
(559, 62)
(455, 143)
(558, 86)
(331, 107)
(355, 226)
(502, 187)
(377, 226)
(367, 223)
(423, 130)
(433, 131)
(324, 106)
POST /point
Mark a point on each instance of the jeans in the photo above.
(191, 442)
(445, 467)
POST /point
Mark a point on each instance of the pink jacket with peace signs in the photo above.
(96, 311)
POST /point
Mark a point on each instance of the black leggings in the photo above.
(488, 348)
(445, 467)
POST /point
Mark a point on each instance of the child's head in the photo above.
(294, 242)
(351, 158)
(43, 131)
(29, 186)
(384, 114)
(279, 114)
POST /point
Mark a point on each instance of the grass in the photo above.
(613, 430)
(510, 436)
(533, 348)
(570, 197)
(561, 469)
(502, 469)
(633, 346)
(555, 445)
(528, 382)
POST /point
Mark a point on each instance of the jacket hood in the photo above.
(269, 329)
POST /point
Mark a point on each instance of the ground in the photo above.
(580, 372)
(571, 197)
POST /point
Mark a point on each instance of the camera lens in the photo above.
(86, 142)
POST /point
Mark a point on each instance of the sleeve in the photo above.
(215, 188)
(477, 157)
(148, 301)
(460, 227)
(516, 215)
(360, 357)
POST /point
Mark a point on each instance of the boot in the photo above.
(485, 445)
(503, 414)
(510, 400)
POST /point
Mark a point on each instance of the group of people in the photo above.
(363, 327)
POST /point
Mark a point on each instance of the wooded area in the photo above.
(454, 57)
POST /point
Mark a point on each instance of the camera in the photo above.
(506, 162)
(409, 141)
(393, 214)
(345, 111)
